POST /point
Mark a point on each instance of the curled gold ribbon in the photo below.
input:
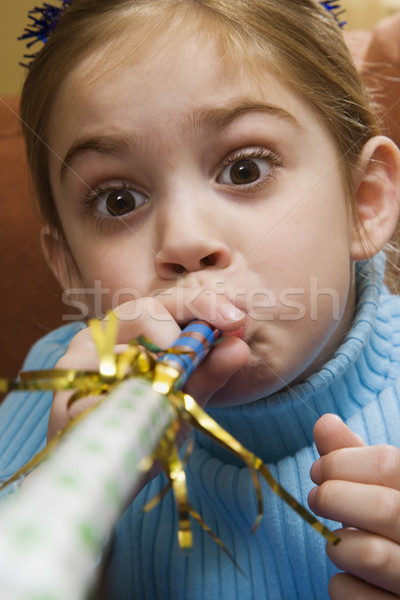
(192, 413)
(137, 361)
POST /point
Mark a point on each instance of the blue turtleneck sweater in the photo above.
(285, 558)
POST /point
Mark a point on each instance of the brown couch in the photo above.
(30, 299)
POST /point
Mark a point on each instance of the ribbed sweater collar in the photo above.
(282, 424)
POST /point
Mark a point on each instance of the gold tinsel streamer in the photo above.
(136, 361)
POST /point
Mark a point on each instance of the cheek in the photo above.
(111, 275)
(315, 226)
(304, 256)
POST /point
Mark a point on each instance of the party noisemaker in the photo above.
(55, 521)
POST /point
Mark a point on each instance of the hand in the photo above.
(359, 486)
(156, 318)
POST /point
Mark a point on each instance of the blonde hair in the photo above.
(298, 39)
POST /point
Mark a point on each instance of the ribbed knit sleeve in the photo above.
(24, 415)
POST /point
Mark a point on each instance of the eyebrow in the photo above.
(215, 118)
(219, 118)
(103, 144)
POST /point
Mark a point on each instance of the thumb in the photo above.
(217, 368)
(331, 433)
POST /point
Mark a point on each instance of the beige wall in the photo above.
(13, 19)
(362, 14)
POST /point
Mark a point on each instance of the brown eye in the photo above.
(245, 171)
(119, 202)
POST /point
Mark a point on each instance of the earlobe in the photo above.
(376, 196)
(59, 258)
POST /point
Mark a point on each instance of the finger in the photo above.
(372, 558)
(58, 417)
(81, 342)
(330, 433)
(162, 317)
(145, 317)
(201, 303)
(347, 587)
(217, 368)
(377, 465)
(373, 508)
(82, 404)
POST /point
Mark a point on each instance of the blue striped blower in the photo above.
(173, 369)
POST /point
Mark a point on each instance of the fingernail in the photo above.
(229, 312)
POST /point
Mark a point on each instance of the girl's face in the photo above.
(178, 170)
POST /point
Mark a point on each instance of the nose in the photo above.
(190, 242)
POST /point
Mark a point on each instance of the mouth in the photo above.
(238, 333)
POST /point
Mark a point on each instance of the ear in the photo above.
(377, 197)
(59, 258)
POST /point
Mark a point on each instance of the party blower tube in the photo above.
(53, 529)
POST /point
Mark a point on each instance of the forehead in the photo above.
(194, 68)
(144, 50)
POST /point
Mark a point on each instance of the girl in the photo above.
(220, 160)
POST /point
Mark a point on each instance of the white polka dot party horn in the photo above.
(53, 529)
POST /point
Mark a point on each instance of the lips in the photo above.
(239, 333)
